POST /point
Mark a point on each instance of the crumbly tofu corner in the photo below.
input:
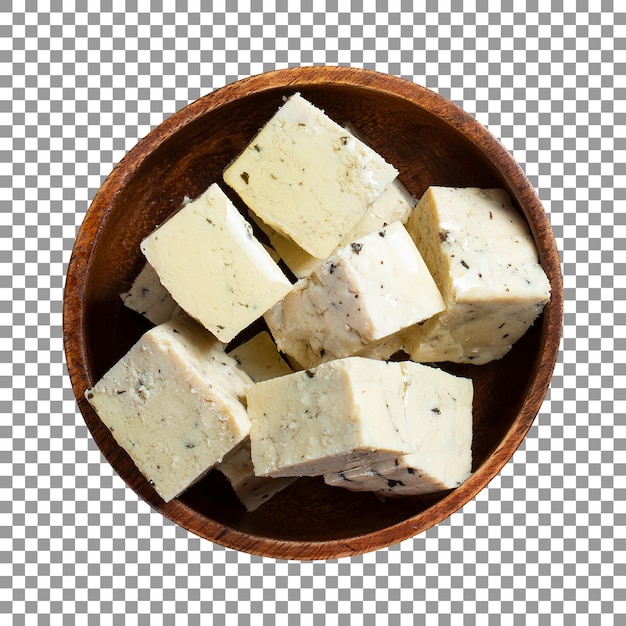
(149, 298)
(252, 490)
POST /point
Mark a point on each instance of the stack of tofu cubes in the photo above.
(344, 271)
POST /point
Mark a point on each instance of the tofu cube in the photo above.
(341, 414)
(365, 291)
(176, 403)
(485, 262)
(307, 177)
(207, 257)
(439, 417)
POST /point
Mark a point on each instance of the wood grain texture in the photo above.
(431, 142)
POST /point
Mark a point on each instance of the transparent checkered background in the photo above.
(82, 81)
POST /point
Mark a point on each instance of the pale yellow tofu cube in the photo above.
(207, 257)
(307, 177)
(176, 403)
(485, 262)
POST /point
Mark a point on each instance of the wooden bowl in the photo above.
(431, 142)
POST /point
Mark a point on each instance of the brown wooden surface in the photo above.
(431, 142)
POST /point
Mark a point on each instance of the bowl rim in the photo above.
(294, 78)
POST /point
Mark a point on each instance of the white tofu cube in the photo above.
(367, 290)
(176, 403)
(307, 177)
(341, 414)
(439, 417)
(207, 257)
(485, 262)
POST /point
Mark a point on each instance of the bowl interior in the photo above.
(430, 142)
